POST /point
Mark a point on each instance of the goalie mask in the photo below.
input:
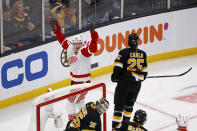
(140, 117)
(102, 105)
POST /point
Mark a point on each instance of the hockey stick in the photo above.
(171, 75)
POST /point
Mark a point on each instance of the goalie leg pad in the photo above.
(58, 122)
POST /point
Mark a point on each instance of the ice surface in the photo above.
(156, 98)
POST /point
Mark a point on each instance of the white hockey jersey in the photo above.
(79, 61)
(80, 65)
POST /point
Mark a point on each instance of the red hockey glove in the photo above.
(94, 35)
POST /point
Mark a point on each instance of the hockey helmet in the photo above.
(140, 117)
(102, 105)
(133, 39)
(77, 39)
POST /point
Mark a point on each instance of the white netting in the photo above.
(63, 106)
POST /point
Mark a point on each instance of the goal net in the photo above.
(56, 103)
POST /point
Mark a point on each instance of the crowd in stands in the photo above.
(19, 27)
(22, 19)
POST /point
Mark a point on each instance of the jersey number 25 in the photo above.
(135, 64)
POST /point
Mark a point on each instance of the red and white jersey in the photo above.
(79, 61)
(80, 65)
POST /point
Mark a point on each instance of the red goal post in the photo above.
(57, 96)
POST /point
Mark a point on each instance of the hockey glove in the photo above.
(182, 121)
(55, 26)
(113, 78)
(94, 35)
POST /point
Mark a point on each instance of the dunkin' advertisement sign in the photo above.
(119, 40)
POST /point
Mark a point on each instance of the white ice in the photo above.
(156, 98)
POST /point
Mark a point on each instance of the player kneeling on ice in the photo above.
(137, 124)
(88, 118)
(79, 61)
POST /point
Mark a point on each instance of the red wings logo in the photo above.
(72, 59)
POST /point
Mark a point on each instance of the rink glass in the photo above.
(22, 23)
(65, 13)
(32, 28)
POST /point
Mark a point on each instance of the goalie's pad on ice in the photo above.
(58, 122)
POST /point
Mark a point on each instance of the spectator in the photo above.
(71, 19)
(24, 29)
(48, 32)
(133, 7)
(130, 7)
(65, 16)
(114, 10)
(34, 10)
(102, 11)
(8, 29)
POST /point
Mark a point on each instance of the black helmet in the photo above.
(140, 117)
(133, 39)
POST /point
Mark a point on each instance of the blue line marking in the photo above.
(189, 87)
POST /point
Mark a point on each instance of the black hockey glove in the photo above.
(113, 78)
(52, 22)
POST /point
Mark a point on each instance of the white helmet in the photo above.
(77, 39)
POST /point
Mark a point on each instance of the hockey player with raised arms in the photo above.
(79, 60)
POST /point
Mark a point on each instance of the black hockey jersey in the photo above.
(130, 64)
(87, 118)
(129, 126)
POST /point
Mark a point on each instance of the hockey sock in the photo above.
(117, 117)
(127, 113)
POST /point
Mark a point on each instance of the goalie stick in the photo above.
(171, 75)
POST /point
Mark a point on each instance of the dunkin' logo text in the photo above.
(146, 34)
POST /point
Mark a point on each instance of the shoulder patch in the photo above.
(93, 106)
